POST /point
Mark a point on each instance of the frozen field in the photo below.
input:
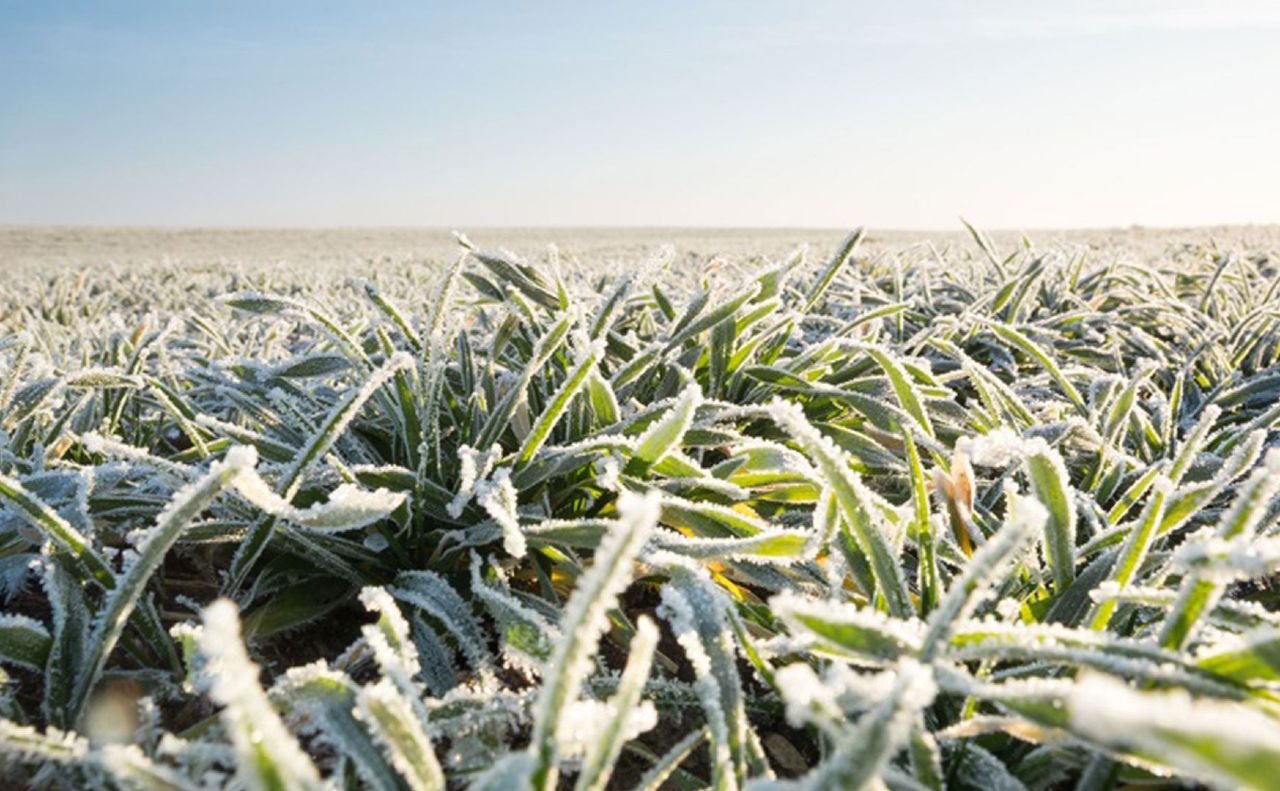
(376, 509)
(44, 248)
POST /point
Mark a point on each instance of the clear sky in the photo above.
(742, 113)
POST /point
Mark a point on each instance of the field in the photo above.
(393, 509)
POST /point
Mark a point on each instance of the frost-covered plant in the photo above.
(920, 521)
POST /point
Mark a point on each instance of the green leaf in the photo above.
(62, 535)
(695, 608)
(903, 387)
(1257, 661)
(327, 701)
(394, 726)
(602, 754)
(267, 755)
(859, 513)
(186, 505)
(1224, 744)
(1051, 486)
(837, 262)
(849, 632)
(1026, 517)
(1200, 594)
(583, 622)
(1028, 347)
(664, 435)
(1137, 543)
(559, 403)
(24, 642)
(324, 438)
(29, 746)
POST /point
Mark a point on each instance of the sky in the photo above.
(735, 113)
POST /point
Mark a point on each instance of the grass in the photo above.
(973, 517)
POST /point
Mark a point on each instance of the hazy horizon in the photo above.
(40, 250)
(573, 115)
(958, 227)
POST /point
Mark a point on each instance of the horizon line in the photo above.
(463, 227)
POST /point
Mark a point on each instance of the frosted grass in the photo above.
(982, 516)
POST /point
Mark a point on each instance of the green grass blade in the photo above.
(601, 757)
(584, 620)
(1050, 485)
(267, 755)
(859, 514)
(842, 255)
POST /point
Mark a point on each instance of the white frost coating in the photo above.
(727, 490)
(791, 417)
(862, 752)
(587, 718)
(1239, 460)
(630, 716)
(697, 610)
(398, 729)
(340, 416)
(1169, 726)
(474, 466)
(389, 638)
(98, 444)
(101, 377)
(238, 432)
(664, 435)
(238, 457)
(989, 633)
(802, 690)
(52, 746)
(132, 768)
(1008, 608)
(782, 460)
(609, 472)
(917, 685)
(430, 592)
(865, 513)
(1251, 502)
(825, 522)
(840, 691)
(1271, 461)
(773, 545)
(13, 619)
(1001, 447)
(1028, 514)
(961, 683)
(792, 606)
(504, 607)
(1162, 486)
(678, 612)
(1107, 589)
(1026, 517)
(348, 507)
(1219, 642)
(642, 719)
(605, 442)
(1227, 560)
(231, 680)
(586, 355)
(585, 619)
(152, 545)
(750, 525)
(220, 368)
(308, 693)
(498, 498)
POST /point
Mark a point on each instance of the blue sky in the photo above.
(894, 115)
